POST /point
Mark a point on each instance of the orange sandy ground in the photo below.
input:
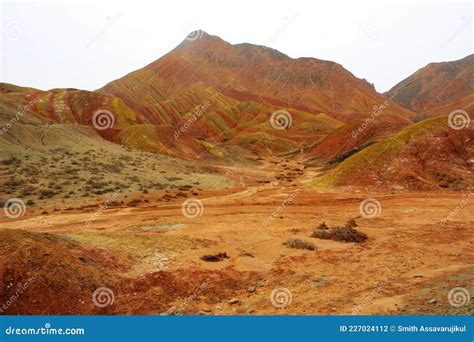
(408, 264)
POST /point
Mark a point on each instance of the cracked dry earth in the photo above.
(149, 256)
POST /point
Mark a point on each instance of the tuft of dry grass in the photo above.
(299, 244)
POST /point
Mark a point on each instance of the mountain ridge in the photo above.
(247, 83)
(332, 94)
(436, 85)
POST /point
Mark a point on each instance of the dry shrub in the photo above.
(299, 244)
(134, 202)
(323, 226)
(348, 234)
(338, 233)
(321, 234)
(215, 257)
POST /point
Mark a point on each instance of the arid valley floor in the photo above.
(149, 254)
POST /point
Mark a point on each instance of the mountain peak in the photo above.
(200, 40)
(205, 65)
(197, 34)
(201, 43)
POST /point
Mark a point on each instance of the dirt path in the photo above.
(408, 260)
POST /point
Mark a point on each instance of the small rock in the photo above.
(320, 281)
(432, 301)
(215, 300)
(218, 307)
(251, 288)
(418, 275)
(250, 310)
(234, 301)
(261, 283)
(203, 313)
(246, 254)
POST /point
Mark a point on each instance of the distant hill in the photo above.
(429, 154)
(438, 88)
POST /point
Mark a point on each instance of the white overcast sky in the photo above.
(85, 44)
